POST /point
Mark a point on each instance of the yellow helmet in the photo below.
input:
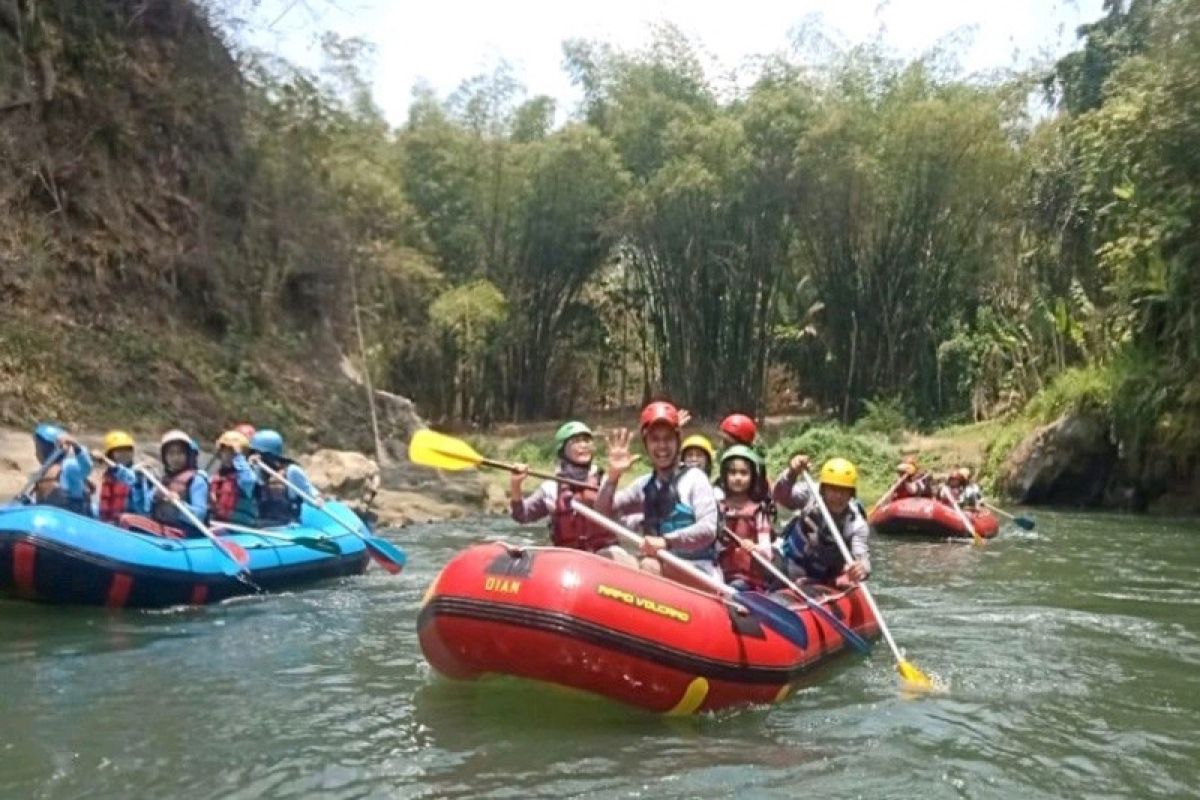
(839, 472)
(699, 441)
(115, 440)
(234, 440)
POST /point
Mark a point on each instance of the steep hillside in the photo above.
(141, 280)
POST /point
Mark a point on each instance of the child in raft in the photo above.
(277, 503)
(959, 488)
(64, 466)
(677, 502)
(575, 447)
(122, 489)
(915, 483)
(746, 519)
(185, 483)
(231, 494)
(809, 548)
(697, 451)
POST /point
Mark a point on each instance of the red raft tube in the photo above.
(578, 620)
(921, 516)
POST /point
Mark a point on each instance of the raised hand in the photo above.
(619, 457)
(798, 464)
(685, 417)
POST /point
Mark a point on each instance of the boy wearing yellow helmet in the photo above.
(122, 490)
(697, 451)
(809, 547)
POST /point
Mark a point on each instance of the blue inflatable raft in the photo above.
(55, 556)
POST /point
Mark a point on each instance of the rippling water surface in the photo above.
(1072, 659)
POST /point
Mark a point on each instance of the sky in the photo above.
(443, 42)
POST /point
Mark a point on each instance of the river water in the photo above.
(1071, 659)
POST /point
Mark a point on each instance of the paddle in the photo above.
(979, 540)
(386, 554)
(432, 449)
(908, 671)
(888, 494)
(775, 616)
(25, 493)
(234, 553)
(1026, 523)
(321, 543)
(853, 639)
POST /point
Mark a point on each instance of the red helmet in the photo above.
(740, 428)
(660, 411)
(245, 429)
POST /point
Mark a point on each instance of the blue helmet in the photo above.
(268, 442)
(47, 433)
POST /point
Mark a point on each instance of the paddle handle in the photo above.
(845, 551)
(999, 511)
(629, 536)
(962, 516)
(504, 465)
(306, 497)
(187, 512)
(888, 494)
(851, 637)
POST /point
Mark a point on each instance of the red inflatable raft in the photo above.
(578, 620)
(921, 516)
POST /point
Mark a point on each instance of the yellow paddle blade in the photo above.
(432, 449)
(913, 677)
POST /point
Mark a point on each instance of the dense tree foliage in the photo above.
(861, 227)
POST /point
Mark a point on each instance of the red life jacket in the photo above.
(226, 500)
(568, 529)
(114, 497)
(734, 561)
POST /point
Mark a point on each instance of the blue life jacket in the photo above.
(663, 512)
(818, 555)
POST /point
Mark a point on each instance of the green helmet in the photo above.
(741, 451)
(568, 430)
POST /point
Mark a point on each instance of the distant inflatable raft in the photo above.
(575, 619)
(51, 555)
(921, 516)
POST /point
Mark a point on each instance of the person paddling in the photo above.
(278, 503)
(915, 483)
(231, 495)
(959, 488)
(184, 483)
(575, 447)
(122, 489)
(64, 466)
(809, 548)
(677, 502)
(746, 518)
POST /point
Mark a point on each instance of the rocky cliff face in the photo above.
(1074, 461)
